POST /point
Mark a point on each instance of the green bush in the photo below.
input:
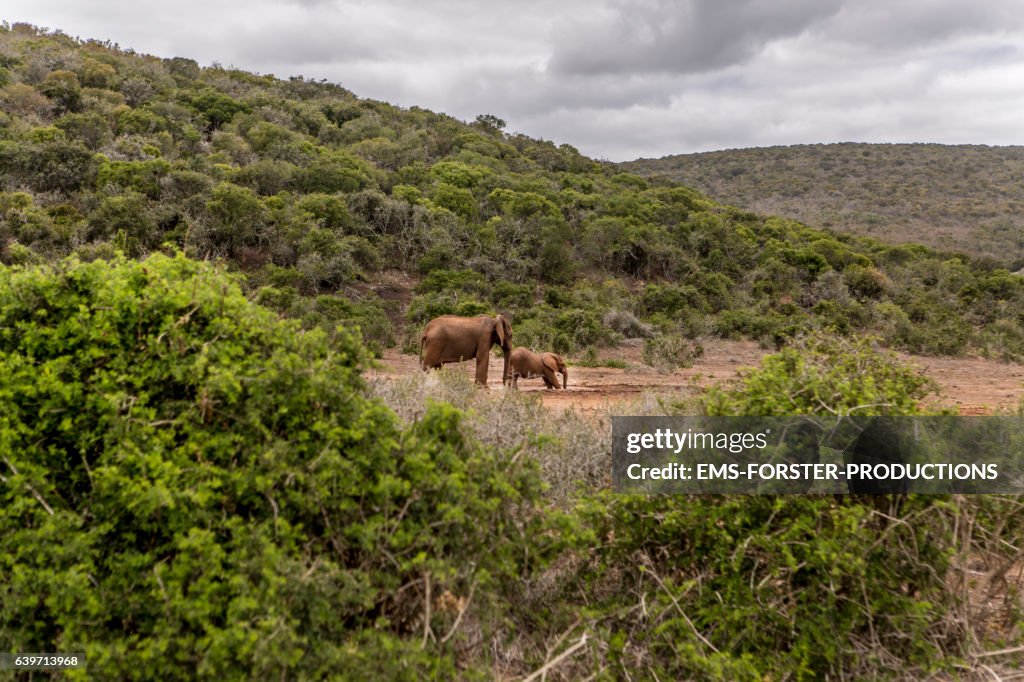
(49, 166)
(509, 296)
(139, 176)
(139, 122)
(560, 297)
(266, 176)
(64, 89)
(576, 329)
(367, 316)
(670, 351)
(216, 107)
(466, 281)
(22, 221)
(537, 333)
(235, 216)
(458, 200)
(1004, 338)
(193, 488)
(744, 588)
(91, 128)
(866, 282)
(672, 300)
(819, 373)
(556, 263)
(426, 307)
(841, 317)
(929, 326)
(716, 288)
(329, 210)
(771, 327)
(332, 171)
(126, 219)
(459, 174)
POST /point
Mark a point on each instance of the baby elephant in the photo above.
(528, 365)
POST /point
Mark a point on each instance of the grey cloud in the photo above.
(312, 42)
(401, 32)
(914, 24)
(311, 3)
(683, 37)
(525, 92)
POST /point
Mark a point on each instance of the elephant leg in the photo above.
(515, 381)
(481, 368)
(550, 380)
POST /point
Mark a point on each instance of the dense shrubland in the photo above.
(197, 483)
(314, 194)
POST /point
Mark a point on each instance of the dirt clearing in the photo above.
(973, 385)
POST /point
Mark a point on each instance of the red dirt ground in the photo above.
(974, 385)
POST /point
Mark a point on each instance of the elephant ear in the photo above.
(550, 361)
(500, 326)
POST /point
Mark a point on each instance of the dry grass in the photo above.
(572, 447)
(573, 452)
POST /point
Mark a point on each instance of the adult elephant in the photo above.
(451, 338)
(526, 364)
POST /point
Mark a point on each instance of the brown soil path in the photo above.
(974, 385)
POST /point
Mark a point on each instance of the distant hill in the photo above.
(966, 197)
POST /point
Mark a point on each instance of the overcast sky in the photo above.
(619, 79)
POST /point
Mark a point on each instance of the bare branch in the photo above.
(543, 670)
(427, 633)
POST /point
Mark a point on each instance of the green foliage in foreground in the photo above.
(790, 587)
(749, 587)
(191, 488)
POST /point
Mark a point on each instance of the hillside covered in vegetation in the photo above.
(199, 481)
(967, 198)
(316, 195)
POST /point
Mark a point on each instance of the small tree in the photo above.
(64, 89)
(235, 216)
(96, 74)
(490, 123)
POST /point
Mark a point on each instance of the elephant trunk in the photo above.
(565, 378)
(505, 376)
